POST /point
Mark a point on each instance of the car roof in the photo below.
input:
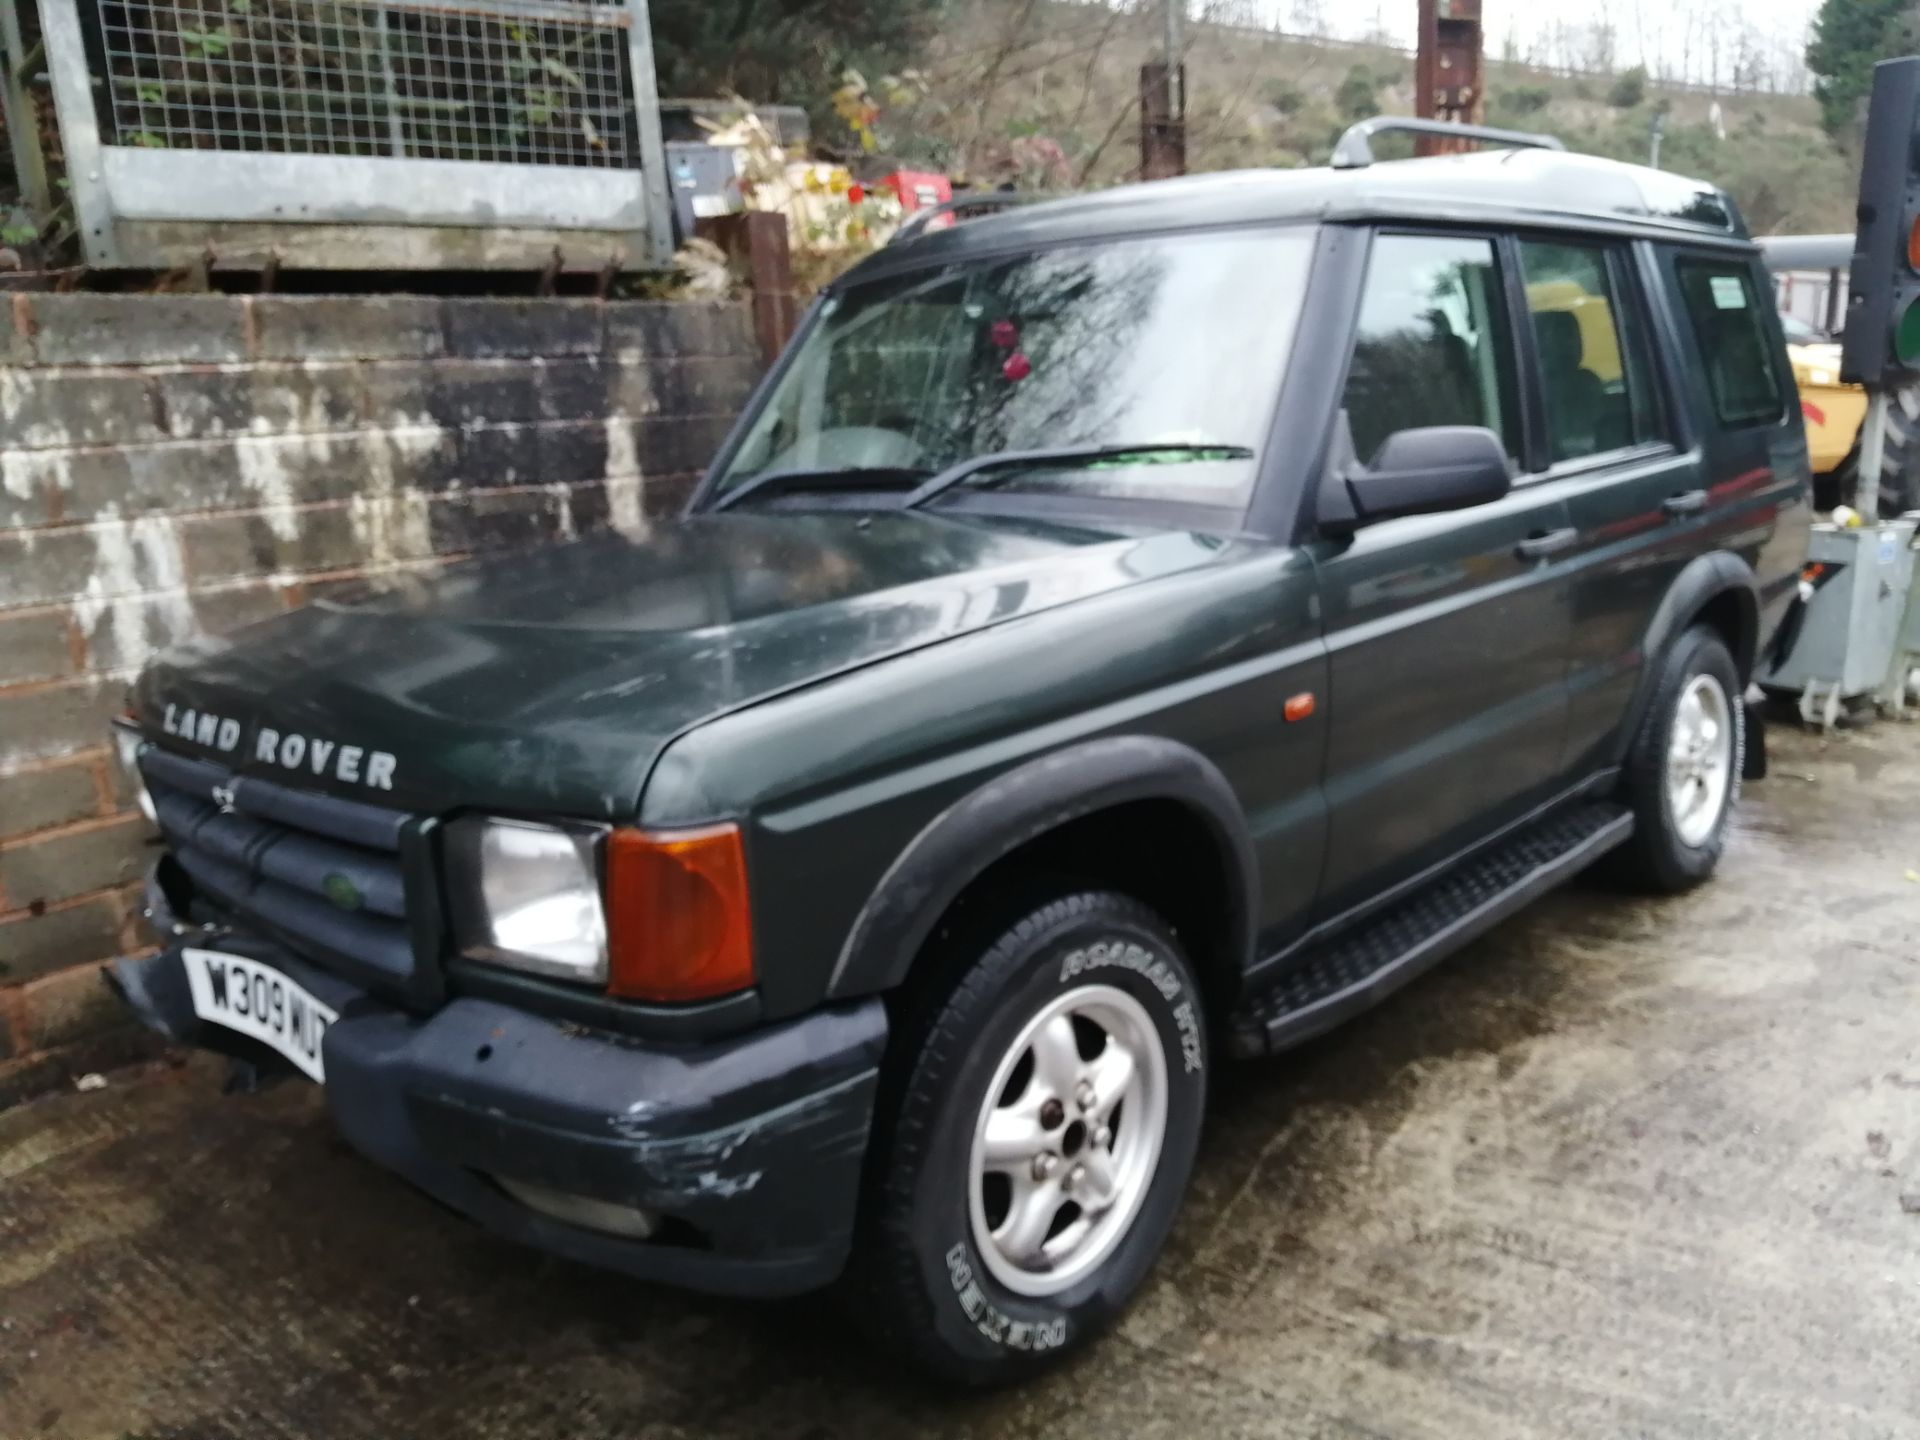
(1531, 187)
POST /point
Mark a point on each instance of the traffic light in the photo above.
(1882, 341)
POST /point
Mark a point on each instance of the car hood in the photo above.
(550, 681)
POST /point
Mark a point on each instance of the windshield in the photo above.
(1159, 344)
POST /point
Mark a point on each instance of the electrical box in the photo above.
(1844, 641)
(705, 181)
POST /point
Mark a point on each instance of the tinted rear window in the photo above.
(1735, 347)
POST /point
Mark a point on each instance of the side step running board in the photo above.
(1360, 968)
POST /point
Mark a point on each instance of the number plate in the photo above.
(260, 1002)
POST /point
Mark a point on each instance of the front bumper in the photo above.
(750, 1148)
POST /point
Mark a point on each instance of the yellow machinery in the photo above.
(1599, 344)
(1833, 411)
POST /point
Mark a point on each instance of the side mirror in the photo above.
(1418, 472)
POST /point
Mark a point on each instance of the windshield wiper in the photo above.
(819, 477)
(965, 470)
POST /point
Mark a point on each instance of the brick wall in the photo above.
(172, 466)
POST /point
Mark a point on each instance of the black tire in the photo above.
(1658, 858)
(925, 1287)
(1899, 461)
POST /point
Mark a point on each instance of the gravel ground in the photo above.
(1621, 1169)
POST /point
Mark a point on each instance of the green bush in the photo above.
(1284, 96)
(1523, 99)
(1358, 96)
(1629, 89)
(1848, 37)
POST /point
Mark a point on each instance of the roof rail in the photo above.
(918, 220)
(1354, 150)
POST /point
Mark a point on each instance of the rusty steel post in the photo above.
(1447, 69)
(757, 239)
(1163, 121)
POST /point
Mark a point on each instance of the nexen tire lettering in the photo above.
(993, 1322)
(1156, 973)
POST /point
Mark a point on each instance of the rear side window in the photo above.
(1595, 377)
(1734, 346)
(1433, 346)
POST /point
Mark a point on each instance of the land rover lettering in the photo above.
(216, 732)
(321, 757)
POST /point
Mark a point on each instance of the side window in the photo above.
(1594, 372)
(1433, 345)
(1726, 319)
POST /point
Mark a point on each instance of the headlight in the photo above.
(128, 740)
(528, 896)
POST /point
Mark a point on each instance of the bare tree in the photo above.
(1308, 17)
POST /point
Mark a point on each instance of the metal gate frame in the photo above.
(139, 208)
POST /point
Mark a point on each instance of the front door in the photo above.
(1447, 634)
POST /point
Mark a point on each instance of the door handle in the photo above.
(1542, 543)
(1687, 502)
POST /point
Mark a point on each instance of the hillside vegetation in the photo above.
(1046, 93)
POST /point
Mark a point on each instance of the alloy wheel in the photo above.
(1067, 1139)
(1700, 759)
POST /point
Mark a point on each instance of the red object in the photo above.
(1018, 367)
(1813, 412)
(919, 189)
(1298, 707)
(856, 193)
(1005, 334)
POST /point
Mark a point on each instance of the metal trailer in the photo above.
(404, 135)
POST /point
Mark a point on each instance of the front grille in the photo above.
(321, 875)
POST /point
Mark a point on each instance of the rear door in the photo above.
(1447, 634)
(1633, 494)
(1753, 440)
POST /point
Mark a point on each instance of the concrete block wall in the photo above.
(177, 465)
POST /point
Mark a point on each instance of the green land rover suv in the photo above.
(1124, 632)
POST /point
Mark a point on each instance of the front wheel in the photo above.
(1042, 1139)
(1683, 772)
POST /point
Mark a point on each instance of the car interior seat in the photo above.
(1582, 418)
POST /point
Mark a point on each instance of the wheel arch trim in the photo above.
(1704, 580)
(1021, 805)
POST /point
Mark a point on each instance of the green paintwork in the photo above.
(550, 682)
(839, 779)
(836, 676)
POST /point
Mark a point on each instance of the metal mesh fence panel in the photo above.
(540, 82)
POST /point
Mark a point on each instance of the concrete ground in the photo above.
(1622, 1169)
